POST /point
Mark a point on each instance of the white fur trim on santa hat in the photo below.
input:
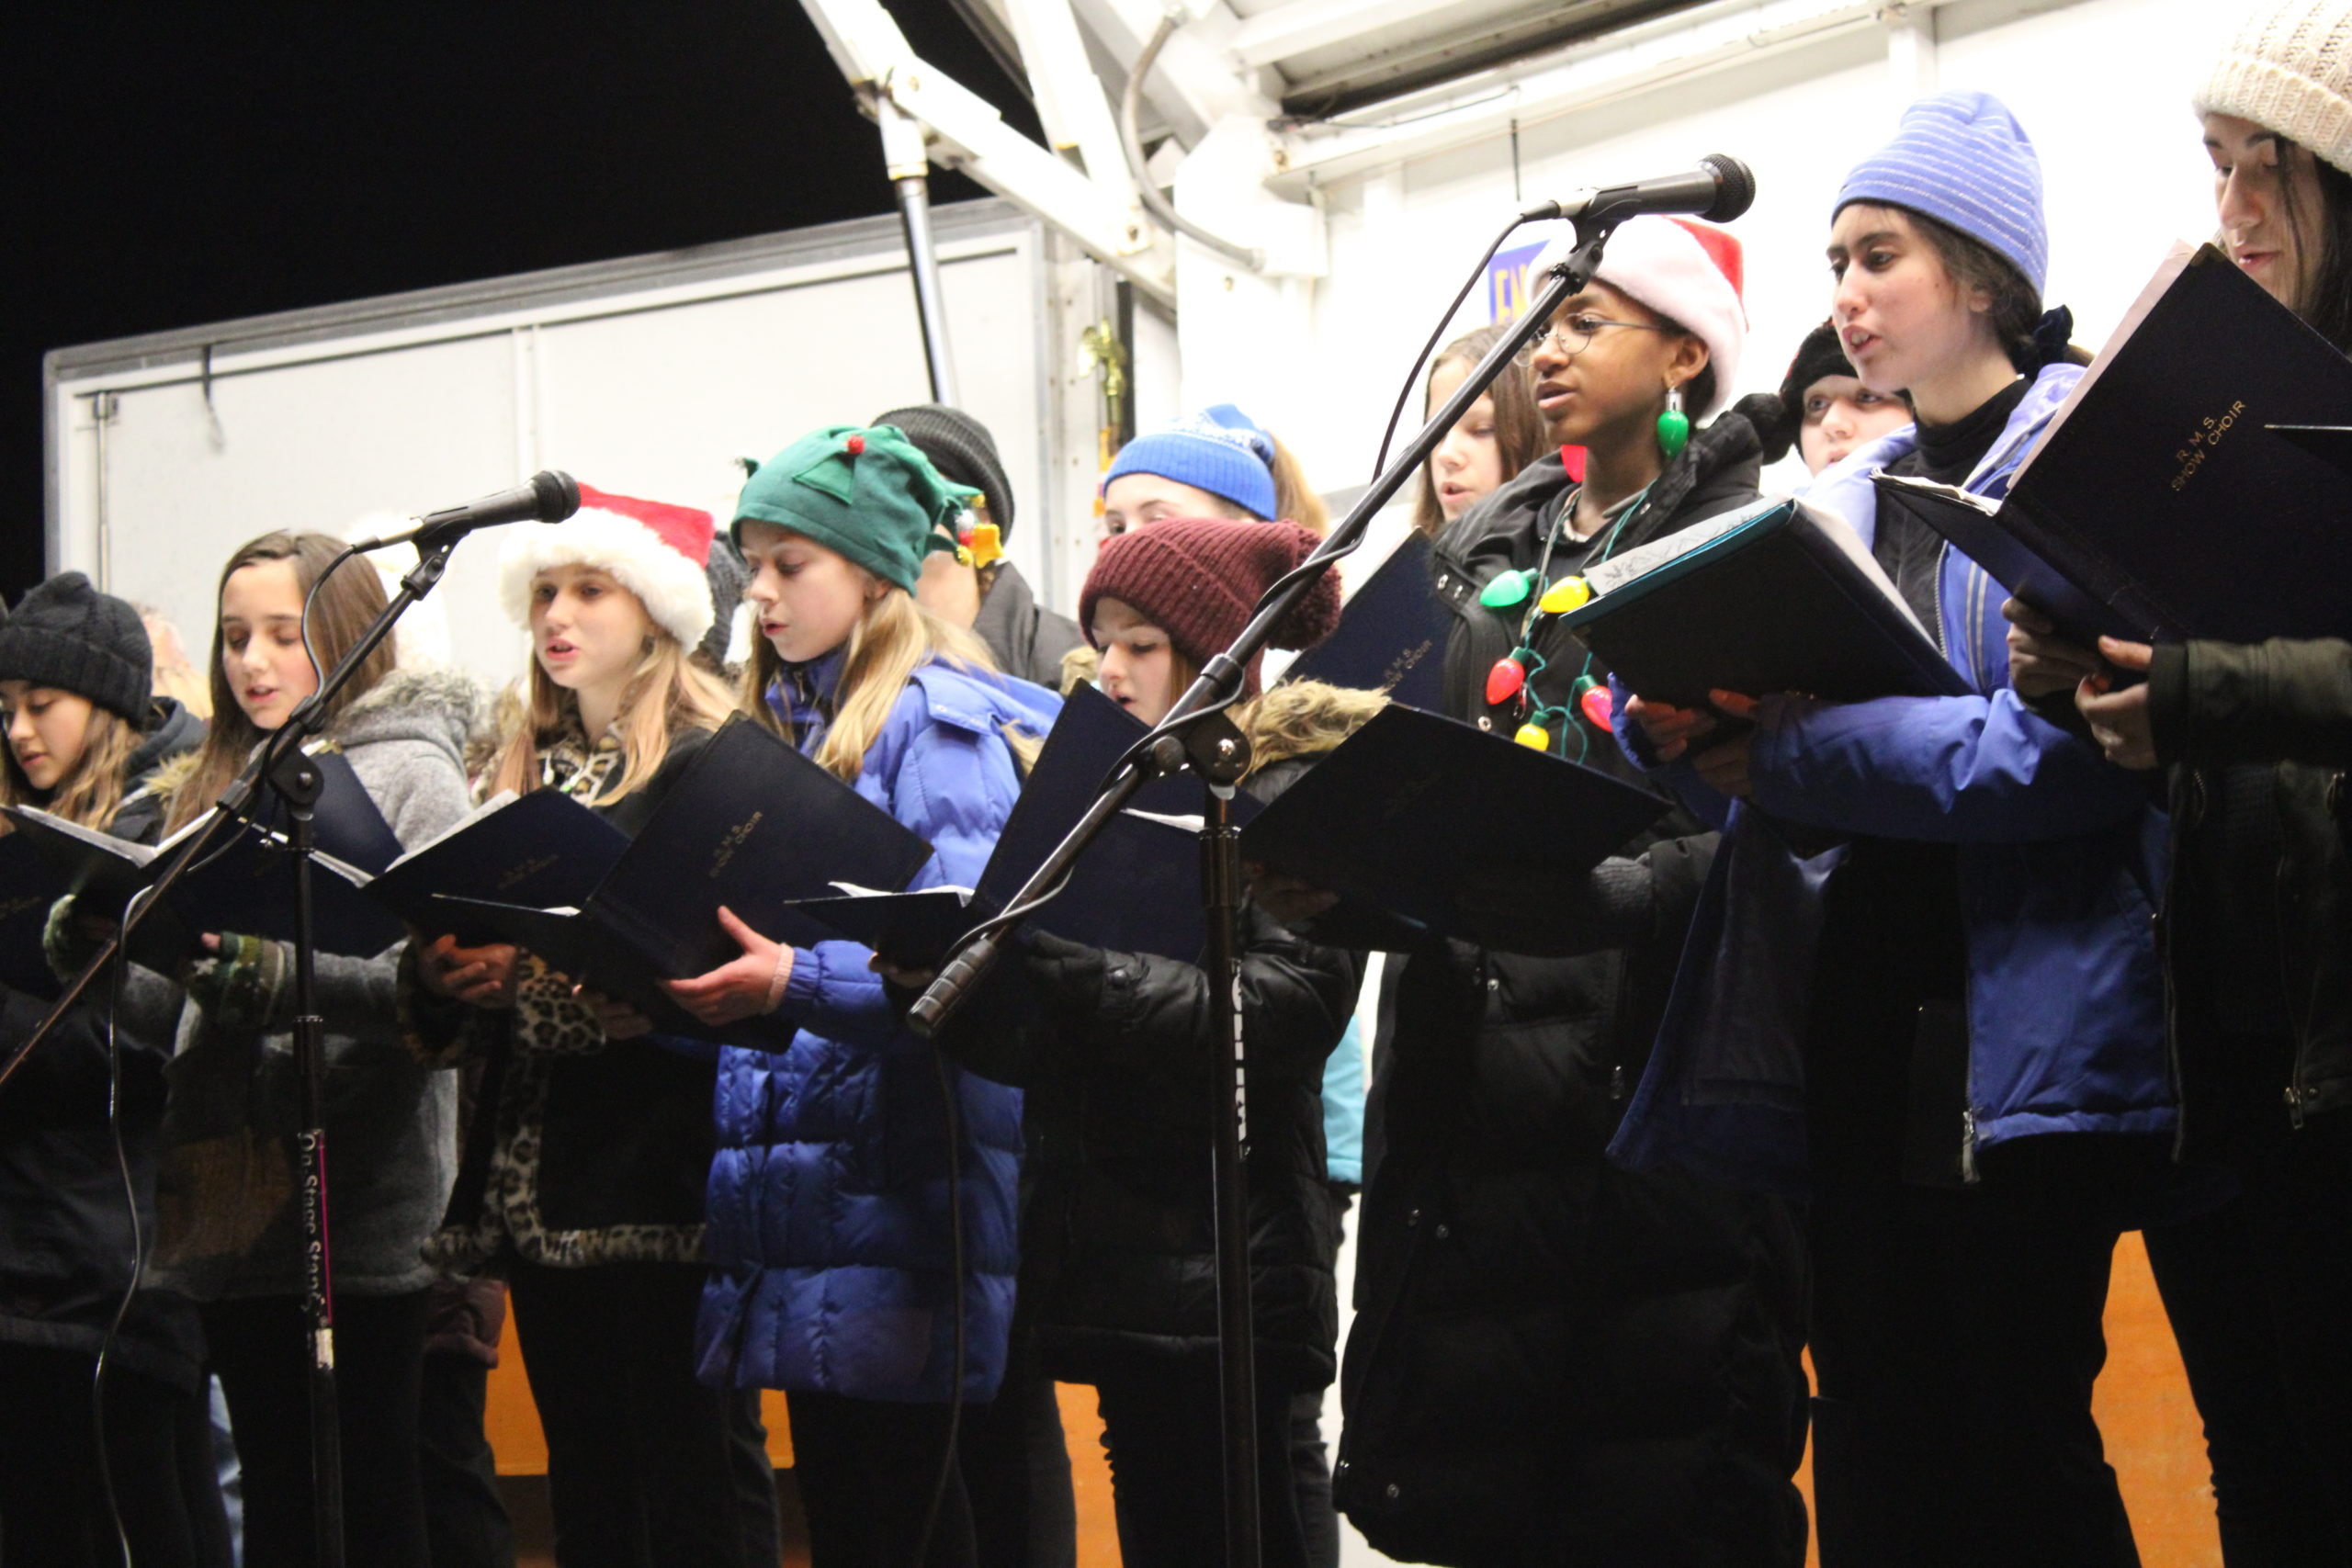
(673, 589)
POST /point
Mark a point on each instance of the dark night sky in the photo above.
(181, 164)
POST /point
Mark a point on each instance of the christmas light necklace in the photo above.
(1513, 673)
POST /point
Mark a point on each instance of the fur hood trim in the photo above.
(1304, 718)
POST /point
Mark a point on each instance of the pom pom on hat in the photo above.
(656, 550)
(1689, 273)
(1962, 159)
(2289, 70)
(1199, 580)
(1218, 449)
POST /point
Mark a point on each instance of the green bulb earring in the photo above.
(1673, 425)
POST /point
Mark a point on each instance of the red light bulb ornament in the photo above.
(1594, 700)
(1508, 679)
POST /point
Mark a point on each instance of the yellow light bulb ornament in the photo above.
(1533, 736)
(1568, 593)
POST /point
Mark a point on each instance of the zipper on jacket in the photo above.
(1968, 1146)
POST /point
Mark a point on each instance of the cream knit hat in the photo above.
(2289, 70)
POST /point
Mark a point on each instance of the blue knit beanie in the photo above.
(1218, 449)
(1963, 159)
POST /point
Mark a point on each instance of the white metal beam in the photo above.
(1068, 95)
(1302, 25)
(1677, 49)
(875, 56)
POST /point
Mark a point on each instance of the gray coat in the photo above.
(229, 1223)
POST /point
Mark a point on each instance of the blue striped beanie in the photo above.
(1218, 449)
(1962, 159)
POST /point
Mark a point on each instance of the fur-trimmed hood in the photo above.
(434, 705)
(1304, 718)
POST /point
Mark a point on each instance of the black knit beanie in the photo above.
(1820, 354)
(66, 634)
(960, 447)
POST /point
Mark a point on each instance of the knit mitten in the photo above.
(241, 986)
(64, 943)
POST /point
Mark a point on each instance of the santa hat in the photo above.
(1691, 275)
(655, 550)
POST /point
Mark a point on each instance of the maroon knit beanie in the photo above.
(1197, 578)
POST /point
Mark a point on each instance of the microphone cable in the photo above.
(138, 1252)
(949, 1458)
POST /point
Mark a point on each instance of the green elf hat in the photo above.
(867, 493)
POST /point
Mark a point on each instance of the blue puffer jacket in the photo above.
(828, 1237)
(2060, 861)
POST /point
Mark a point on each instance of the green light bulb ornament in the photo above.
(1673, 425)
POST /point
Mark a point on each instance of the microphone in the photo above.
(551, 496)
(1719, 189)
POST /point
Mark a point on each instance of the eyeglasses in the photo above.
(1571, 336)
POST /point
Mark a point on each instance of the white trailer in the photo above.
(647, 376)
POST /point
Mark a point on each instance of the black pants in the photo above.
(465, 1517)
(1163, 1429)
(1956, 1338)
(640, 1463)
(259, 1349)
(1016, 1464)
(2259, 1292)
(53, 1510)
(868, 1470)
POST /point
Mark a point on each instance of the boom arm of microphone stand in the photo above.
(236, 801)
(977, 952)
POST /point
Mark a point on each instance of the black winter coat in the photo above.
(580, 1151)
(2275, 717)
(65, 1232)
(1027, 639)
(1555, 1362)
(1118, 1250)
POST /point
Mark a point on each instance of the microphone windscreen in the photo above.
(558, 494)
(1736, 192)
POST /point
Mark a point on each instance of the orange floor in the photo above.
(2142, 1402)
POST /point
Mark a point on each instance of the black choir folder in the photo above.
(1136, 890)
(749, 823)
(28, 887)
(2166, 501)
(543, 849)
(1417, 815)
(1774, 597)
(247, 884)
(1391, 637)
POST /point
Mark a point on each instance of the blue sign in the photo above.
(1509, 288)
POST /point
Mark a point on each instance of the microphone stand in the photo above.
(1196, 733)
(282, 767)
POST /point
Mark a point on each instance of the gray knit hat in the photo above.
(66, 634)
(963, 451)
(2289, 70)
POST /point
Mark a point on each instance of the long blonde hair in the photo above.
(91, 792)
(1294, 499)
(895, 638)
(351, 600)
(667, 691)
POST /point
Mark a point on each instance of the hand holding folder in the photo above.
(749, 825)
(1136, 890)
(246, 885)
